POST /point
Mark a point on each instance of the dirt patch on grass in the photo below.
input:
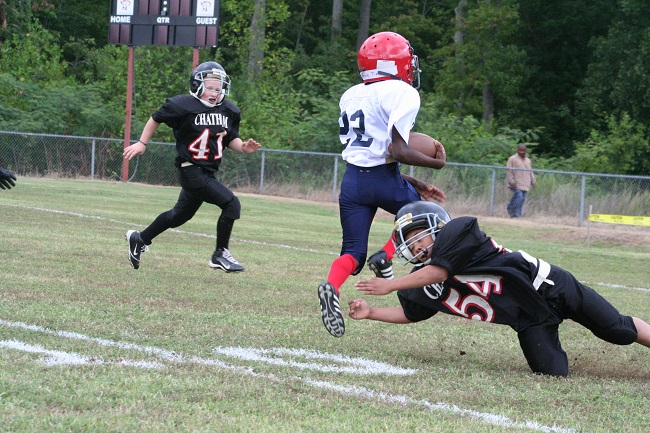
(559, 231)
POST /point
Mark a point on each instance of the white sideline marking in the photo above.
(53, 357)
(354, 391)
(57, 357)
(358, 366)
(308, 250)
(616, 286)
(489, 418)
(245, 241)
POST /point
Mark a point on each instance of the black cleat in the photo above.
(330, 309)
(136, 247)
(222, 259)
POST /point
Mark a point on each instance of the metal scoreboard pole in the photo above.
(188, 23)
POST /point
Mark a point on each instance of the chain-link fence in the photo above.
(471, 189)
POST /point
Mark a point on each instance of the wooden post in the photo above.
(195, 57)
(129, 103)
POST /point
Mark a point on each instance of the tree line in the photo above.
(569, 79)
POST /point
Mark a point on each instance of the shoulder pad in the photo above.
(186, 103)
(230, 106)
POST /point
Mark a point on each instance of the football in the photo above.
(425, 144)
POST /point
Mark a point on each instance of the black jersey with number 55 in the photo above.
(201, 133)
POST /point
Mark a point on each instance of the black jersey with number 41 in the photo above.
(201, 133)
(486, 281)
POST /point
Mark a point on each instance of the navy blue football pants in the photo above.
(569, 299)
(363, 191)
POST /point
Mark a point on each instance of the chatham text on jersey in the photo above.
(210, 119)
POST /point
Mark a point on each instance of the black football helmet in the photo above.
(209, 71)
(417, 215)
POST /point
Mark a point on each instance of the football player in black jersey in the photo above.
(461, 271)
(6, 178)
(205, 124)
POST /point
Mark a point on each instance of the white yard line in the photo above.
(616, 286)
(270, 356)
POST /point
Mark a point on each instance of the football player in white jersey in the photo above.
(375, 114)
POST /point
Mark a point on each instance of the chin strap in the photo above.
(386, 74)
(394, 77)
(207, 103)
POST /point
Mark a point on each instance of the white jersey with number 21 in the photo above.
(368, 114)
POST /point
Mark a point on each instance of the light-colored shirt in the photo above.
(368, 114)
(522, 180)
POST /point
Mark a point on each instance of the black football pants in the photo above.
(569, 299)
(198, 185)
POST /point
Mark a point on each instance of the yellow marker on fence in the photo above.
(620, 219)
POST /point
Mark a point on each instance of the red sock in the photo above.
(390, 247)
(340, 270)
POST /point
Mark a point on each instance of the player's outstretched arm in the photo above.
(248, 146)
(140, 146)
(430, 274)
(359, 310)
(6, 178)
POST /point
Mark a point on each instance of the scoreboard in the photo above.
(188, 23)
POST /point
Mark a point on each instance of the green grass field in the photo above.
(88, 344)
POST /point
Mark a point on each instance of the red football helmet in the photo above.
(388, 56)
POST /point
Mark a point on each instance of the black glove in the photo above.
(6, 179)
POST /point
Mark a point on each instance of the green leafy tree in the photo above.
(485, 55)
(468, 139)
(556, 36)
(59, 108)
(622, 148)
(34, 55)
(36, 94)
(617, 80)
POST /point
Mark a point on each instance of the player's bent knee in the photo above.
(622, 332)
(232, 209)
(176, 219)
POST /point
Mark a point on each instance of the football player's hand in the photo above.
(359, 309)
(250, 146)
(6, 178)
(375, 286)
(428, 191)
(133, 150)
(440, 151)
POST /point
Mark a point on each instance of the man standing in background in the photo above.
(519, 181)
